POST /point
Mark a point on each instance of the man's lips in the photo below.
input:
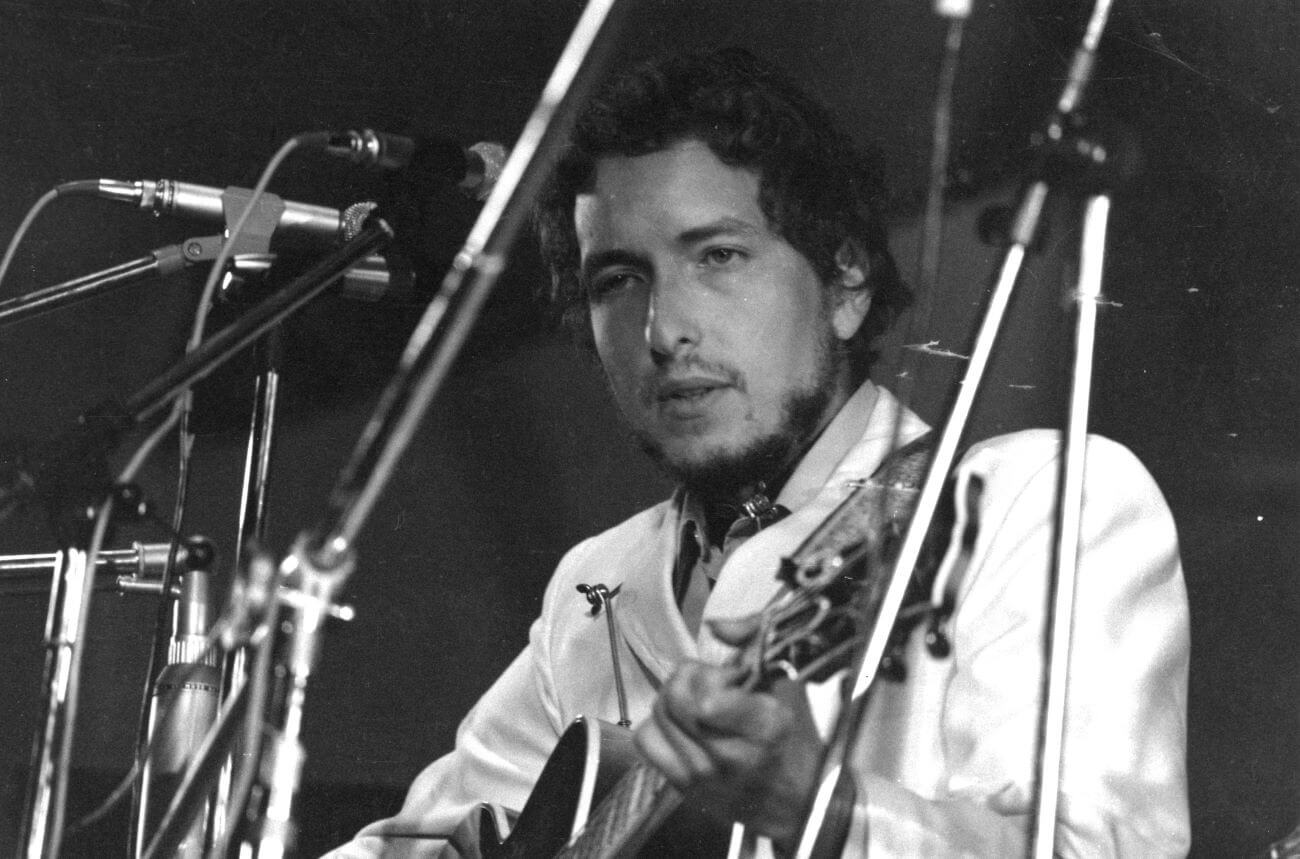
(688, 399)
(687, 389)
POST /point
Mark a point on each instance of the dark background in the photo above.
(521, 456)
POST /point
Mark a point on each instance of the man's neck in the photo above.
(721, 513)
(723, 509)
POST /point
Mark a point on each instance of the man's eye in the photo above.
(604, 284)
(721, 256)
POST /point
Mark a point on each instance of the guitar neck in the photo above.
(628, 816)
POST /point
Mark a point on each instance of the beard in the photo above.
(729, 474)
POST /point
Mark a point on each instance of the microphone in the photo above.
(372, 279)
(474, 169)
(169, 197)
(182, 708)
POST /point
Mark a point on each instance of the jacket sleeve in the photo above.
(1123, 788)
(501, 746)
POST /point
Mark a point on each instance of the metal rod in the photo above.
(47, 792)
(252, 527)
(1069, 512)
(65, 625)
(159, 263)
(138, 569)
(310, 598)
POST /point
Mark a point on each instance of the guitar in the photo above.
(834, 582)
(593, 759)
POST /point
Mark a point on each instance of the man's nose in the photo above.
(672, 323)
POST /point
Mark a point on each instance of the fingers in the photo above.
(742, 755)
(673, 737)
(704, 727)
(706, 700)
(735, 631)
(673, 750)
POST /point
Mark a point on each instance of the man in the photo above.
(717, 241)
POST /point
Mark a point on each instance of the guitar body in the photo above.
(590, 758)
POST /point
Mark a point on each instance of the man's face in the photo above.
(717, 336)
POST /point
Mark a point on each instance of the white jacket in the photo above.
(946, 766)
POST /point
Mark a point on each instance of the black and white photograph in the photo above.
(611, 428)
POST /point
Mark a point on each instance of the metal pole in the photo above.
(1069, 513)
(252, 526)
(160, 263)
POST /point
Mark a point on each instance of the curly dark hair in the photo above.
(816, 188)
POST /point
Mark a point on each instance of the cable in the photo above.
(163, 627)
(315, 138)
(83, 186)
(146, 448)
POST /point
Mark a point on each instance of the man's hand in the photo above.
(747, 756)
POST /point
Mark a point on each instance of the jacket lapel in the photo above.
(648, 617)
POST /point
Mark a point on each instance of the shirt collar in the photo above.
(841, 434)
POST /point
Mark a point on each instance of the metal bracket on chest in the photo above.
(602, 597)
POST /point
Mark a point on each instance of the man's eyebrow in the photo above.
(713, 229)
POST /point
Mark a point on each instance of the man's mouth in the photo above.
(687, 390)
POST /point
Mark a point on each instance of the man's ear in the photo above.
(853, 295)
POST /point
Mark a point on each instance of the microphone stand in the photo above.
(1069, 510)
(252, 248)
(47, 782)
(69, 477)
(160, 262)
(252, 527)
(321, 560)
(137, 570)
(1066, 155)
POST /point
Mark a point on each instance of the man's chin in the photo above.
(720, 461)
(721, 468)
(688, 455)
